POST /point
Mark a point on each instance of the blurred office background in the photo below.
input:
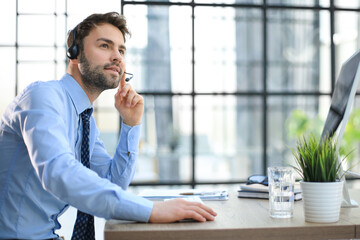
(228, 84)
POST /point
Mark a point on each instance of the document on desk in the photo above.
(205, 195)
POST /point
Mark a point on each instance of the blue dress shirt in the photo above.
(40, 171)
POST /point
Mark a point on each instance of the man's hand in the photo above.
(129, 103)
(179, 209)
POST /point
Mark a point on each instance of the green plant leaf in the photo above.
(317, 160)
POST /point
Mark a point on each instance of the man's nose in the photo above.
(117, 56)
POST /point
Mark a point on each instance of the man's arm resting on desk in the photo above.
(179, 209)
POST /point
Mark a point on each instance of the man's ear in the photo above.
(74, 61)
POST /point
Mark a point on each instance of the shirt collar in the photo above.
(77, 94)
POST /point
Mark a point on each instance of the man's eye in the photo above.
(104, 45)
(122, 52)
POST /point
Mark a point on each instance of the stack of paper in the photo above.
(190, 199)
(262, 191)
(161, 194)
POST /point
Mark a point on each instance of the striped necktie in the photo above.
(84, 225)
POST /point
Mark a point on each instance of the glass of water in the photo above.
(281, 192)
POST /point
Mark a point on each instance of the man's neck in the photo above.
(92, 93)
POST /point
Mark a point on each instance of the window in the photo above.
(221, 78)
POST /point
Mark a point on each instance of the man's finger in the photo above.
(137, 99)
(122, 81)
(125, 89)
(194, 215)
(130, 98)
(205, 214)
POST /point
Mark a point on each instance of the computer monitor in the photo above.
(339, 112)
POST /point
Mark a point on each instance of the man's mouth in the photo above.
(114, 69)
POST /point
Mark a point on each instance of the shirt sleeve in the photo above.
(121, 168)
(40, 117)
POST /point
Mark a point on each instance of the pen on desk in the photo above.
(189, 193)
(198, 193)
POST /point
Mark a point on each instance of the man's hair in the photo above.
(84, 28)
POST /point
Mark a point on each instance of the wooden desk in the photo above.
(240, 218)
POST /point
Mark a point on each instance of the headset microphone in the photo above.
(129, 77)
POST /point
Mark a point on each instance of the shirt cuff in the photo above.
(134, 208)
(130, 138)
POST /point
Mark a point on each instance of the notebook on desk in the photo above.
(205, 195)
(262, 191)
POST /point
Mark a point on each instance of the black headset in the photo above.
(73, 50)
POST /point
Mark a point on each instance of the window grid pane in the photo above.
(213, 86)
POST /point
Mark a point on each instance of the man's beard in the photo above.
(94, 78)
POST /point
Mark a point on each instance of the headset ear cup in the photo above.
(73, 51)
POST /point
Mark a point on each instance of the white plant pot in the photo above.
(322, 201)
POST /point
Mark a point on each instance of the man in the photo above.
(51, 158)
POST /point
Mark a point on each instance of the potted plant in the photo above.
(321, 172)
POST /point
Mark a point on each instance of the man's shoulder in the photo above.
(44, 88)
(40, 92)
(42, 85)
